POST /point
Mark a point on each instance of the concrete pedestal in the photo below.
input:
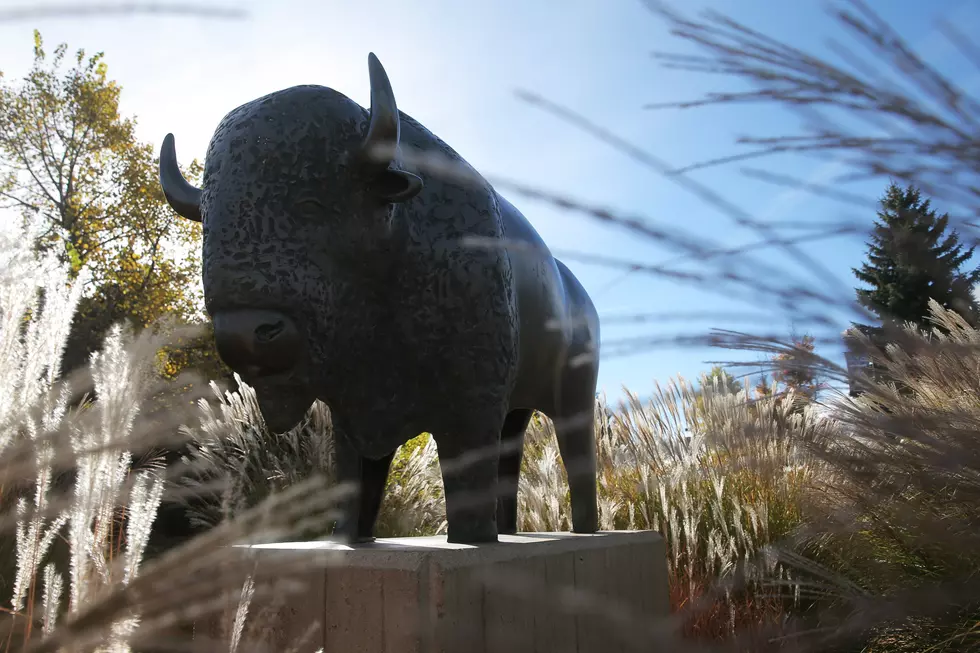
(533, 592)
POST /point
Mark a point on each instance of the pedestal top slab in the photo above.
(401, 551)
(428, 543)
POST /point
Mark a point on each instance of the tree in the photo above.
(911, 259)
(794, 370)
(720, 377)
(763, 388)
(69, 157)
(793, 374)
(718, 380)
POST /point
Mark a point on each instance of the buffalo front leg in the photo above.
(374, 478)
(363, 481)
(469, 478)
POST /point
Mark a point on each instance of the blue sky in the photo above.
(455, 66)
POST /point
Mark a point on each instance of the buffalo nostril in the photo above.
(266, 332)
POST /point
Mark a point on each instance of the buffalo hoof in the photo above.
(473, 534)
(345, 536)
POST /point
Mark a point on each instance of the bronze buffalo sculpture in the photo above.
(333, 273)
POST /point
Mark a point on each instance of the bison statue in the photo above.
(335, 268)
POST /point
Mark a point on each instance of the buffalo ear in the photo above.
(397, 185)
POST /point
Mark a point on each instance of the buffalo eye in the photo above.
(308, 208)
(396, 185)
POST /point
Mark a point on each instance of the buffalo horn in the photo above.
(184, 198)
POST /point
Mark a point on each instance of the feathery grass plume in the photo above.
(248, 590)
(101, 470)
(231, 445)
(721, 476)
(543, 502)
(41, 441)
(904, 496)
(195, 580)
(414, 503)
(36, 308)
(121, 373)
(889, 539)
(53, 586)
(37, 303)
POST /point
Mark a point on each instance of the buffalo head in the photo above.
(299, 207)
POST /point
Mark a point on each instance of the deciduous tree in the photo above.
(68, 156)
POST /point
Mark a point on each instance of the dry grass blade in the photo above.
(925, 124)
(708, 195)
(115, 9)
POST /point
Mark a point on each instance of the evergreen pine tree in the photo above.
(911, 259)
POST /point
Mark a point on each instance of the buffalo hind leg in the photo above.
(511, 453)
(575, 427)
(469, 478)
